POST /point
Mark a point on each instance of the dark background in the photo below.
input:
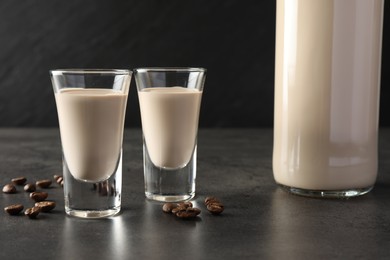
(233, 39)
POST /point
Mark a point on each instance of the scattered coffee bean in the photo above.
(19, 180)
(9, 188)
(209, 200)
(180, 207)
(214, 205)
(183, 210)
(38, 196)
(56, 177)
(14, 209)
(45, 206)
(188, 213)
(215, 208)
(32, 212)
(43, 183)
(168, 207)
(187, 204)
(29, 187)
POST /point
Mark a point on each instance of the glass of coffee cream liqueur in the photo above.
(170, 101)
(91, 105)
(327, 80)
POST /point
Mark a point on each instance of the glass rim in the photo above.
(170, 69)
(91, 71)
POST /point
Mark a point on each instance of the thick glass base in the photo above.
(92, 213)
(169, 198)
(327, 194)
(169, 185)
(93, 200)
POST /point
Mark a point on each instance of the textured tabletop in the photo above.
(260, 220)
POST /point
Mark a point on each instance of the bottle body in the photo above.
(327, 78)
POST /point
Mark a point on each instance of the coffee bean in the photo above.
(209, 200)
(29, 187)
(184, 210)
(215, 208)
(19, 180)
(56, 177)
(188, 213)
(14, 209)
(32, 212)
(180, 207)
(45, 206)
(9, 188)
(168, 207)
(38, 196)
(186, 204)
(194, 210)
(214, 205)
(43, 183)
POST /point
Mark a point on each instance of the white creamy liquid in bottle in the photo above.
(169, 124)
(91, 125)
(327, 77)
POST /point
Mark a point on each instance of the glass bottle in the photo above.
(327, 79)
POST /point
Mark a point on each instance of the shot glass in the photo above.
(91, 107)
(169, 101)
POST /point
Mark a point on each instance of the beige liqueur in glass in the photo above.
(170, 124)
(327, 78)
(89, 120)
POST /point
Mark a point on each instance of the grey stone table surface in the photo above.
(261, 221)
